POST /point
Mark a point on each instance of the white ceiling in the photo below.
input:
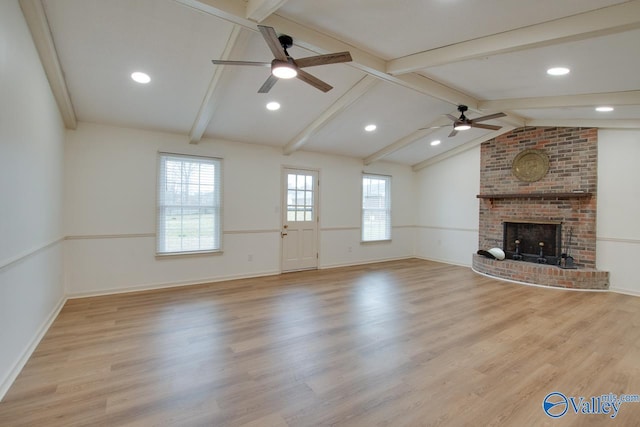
(414, 61)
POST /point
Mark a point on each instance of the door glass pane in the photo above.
(300, 197)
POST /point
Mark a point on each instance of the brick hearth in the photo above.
(541, 274)
(567, 194)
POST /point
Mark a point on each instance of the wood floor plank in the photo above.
(402, 343)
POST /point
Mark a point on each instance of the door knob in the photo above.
(282, 234)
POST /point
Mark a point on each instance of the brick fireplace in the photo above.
(561, 201)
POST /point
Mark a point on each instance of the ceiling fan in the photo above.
(464, 123)
(284, 66)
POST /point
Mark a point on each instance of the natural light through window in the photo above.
(299, 197)
(189, 204)
(376, 208)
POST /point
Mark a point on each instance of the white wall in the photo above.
(31, 156)
(618, 226)
(448, 209)
(110, 184)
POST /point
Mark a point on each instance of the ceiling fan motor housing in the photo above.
(462, 109)
(285, 41)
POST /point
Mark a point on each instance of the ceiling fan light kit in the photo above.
(284, 66)
(461, 126)
(283, 70)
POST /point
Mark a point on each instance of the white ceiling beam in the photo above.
(585, 100)
(408, 139)
(259, 10)
(461, 148)
(233, 11)
(348, 98)
(608, 20)
(36, 18)
(587, 123)
(236, 42)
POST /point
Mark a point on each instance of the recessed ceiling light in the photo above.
(435, 142)
(140, 77)
(370, 128)
(273, 106)
(558, 71)
(604, 109)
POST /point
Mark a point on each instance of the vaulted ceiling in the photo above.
(413, 62)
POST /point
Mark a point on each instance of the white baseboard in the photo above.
(444, 261)
(6, 382)
(150, 287)
(631, 292)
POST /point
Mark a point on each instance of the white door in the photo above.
(300, 220)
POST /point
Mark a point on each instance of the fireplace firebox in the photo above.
(539, 242)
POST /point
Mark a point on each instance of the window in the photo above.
(300, 198)
(376, 208)
(189, 204)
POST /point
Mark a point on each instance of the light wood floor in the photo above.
(404, 343)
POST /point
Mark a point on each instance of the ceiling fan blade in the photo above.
(453, 118)
(489, 117)
(482, 126)
(330, 58)
(268, 84)
(434, 127)
(453, 133)
(271, 38)
(258, 64)
(314, 81)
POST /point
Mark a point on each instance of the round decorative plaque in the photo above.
(530, 165)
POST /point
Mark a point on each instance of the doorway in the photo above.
(300, 220)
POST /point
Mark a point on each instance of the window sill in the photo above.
(373, 242)
(173, 255)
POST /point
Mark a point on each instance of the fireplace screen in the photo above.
(531, 239)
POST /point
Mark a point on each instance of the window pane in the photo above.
(300, 182)
(376, 208)
(188, 204)
(291, 181)
(299, 215)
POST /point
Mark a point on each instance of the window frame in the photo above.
(387, 209)
(219, 207)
